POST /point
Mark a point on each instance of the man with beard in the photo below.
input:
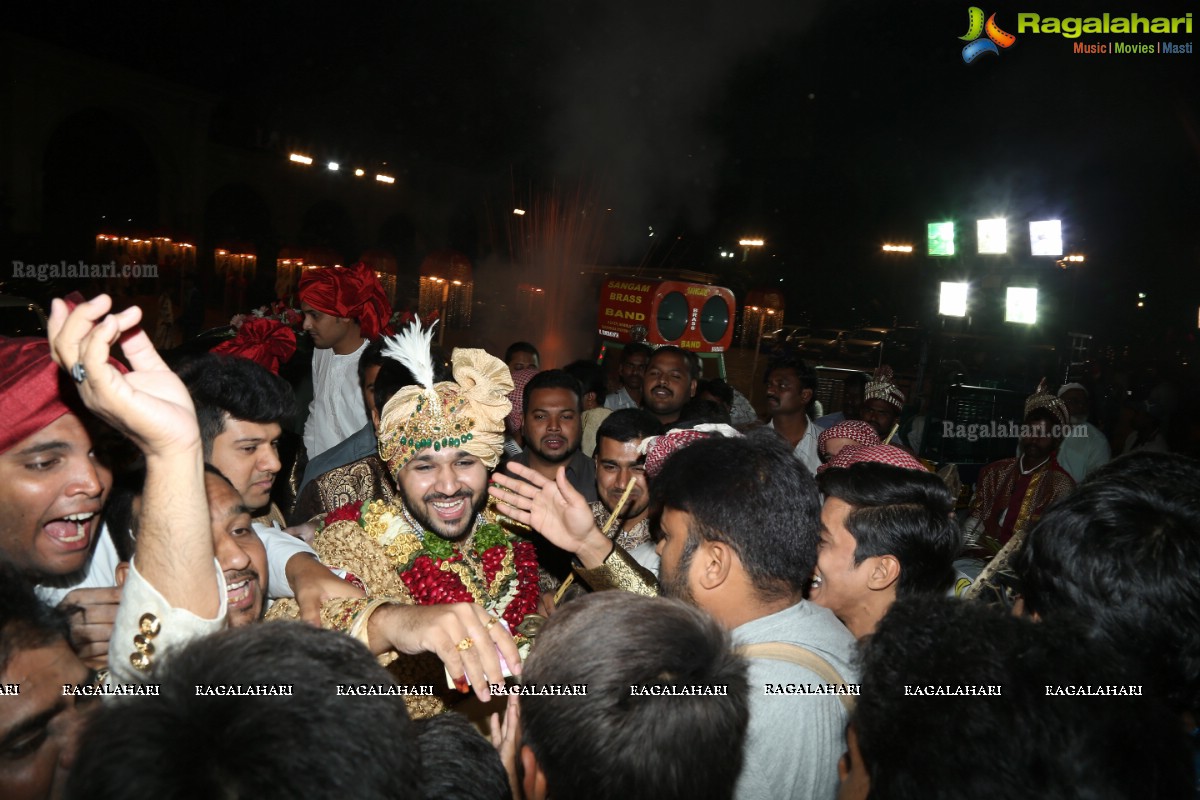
(791, 387)
(439, 440)
(670, 382)
(553, 430)
(1012, 493)
(617, 461)
(1087, 446)
(749, 570)
(882, 404)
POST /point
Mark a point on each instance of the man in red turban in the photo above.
(344, 308)
(52, 487)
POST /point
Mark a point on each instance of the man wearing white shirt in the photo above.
(634, 359)
(791, 387)
(344, 308)
(1086, 448)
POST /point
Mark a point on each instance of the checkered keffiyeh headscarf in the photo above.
(516, 417)
(853, 429)
(879, 453)
(881, 387)
(658, 449)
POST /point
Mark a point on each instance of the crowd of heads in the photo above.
(741, 530)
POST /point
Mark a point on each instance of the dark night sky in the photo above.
(827, 128)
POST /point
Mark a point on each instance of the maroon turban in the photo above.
(352, 292)
(34, 392)
(266, 342)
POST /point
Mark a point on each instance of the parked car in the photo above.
(864, 345)
(784, 339)
(20, 316)
(898, 347)
(822, 342)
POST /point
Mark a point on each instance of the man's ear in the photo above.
(713, 562)
(806, 396)
(884, 573)
(533, 780)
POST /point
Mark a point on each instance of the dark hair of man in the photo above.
(718, 389)
(629, 425)
(26, 623)
(701, 411)
(520, 347)
(185, 744)
(693, 360)
(458, 763)
(752, 494)
(1120, 560)
(372, 356)
(1163, 474)
(808, 378)
(634, 349)
(119, 519)
(552, 379)
(1020, 743)
(611, 745)
(394, 376)
(804, 374)
(222, 385)
(590, 376)
(902, 513)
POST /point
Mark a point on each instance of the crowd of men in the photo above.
(503, 579)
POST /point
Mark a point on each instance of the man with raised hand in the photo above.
(174, 591)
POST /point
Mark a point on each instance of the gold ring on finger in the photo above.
(466, 643)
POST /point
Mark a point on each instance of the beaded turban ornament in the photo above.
(1044, 400)
(881, 387)
(465, 414)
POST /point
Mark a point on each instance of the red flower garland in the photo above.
(429, 584)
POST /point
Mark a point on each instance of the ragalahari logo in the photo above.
(995, 40)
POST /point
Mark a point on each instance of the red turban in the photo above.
(34, 392)
(352, 292)
(266, 342)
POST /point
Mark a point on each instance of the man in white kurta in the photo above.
(344, 308)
